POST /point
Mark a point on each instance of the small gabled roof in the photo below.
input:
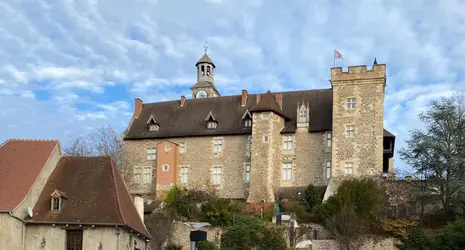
(268, 103)
(96, 194)
(211, 117)
(246, 114)
(58, 193)
(152, 119)
(21, 162)
(205, 59)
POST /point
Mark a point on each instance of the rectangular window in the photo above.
(182, 147)
(184, 174)
(350, 130)
(146, 177)
(265, 139)
(249, 143)
(218, 145)
(266, 116)
(248, 123)
(303, 115)
(151, 154)
(350, 103)
(217, 175)
(287, 171)
(247, 173)
(167, 148)
(348, 168)
(287, 142)
(328, 169)
(73, 239)
(56, 206)
(328, 139)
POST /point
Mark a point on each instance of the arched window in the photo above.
(303, 113)
(208, 70)
(202, 70)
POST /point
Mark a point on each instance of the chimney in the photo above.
(279, 99)
(183, 100)
(244, 97)
(139, 204)
(137, 107)
(258, 98)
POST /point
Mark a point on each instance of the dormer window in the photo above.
(303, 114)
(153, 124)
(212, 123)
(57, 200)
(247, 118)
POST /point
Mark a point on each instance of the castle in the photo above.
(251, 146)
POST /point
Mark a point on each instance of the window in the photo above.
(348, 168)
(265, 139)
(218, 145)
(146, 175)
(56, 204)
(247, 123)
(202, 70)
(184, 174)
(208, 70)
(249, 143)
(287, 171)
(247, 173)
(182, 147)
(350, 103)
(153, 127)
(350, 130)
(328, 169)
(167, 148)
(73, 239)
(303, 114)
(211, 125)
(165, 167)
(266, 116)
(288, 140)
(217, 175)
(328, 139)
(151, 154)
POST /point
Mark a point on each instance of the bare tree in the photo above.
(347, 228)
(78, 146)
(160, 226)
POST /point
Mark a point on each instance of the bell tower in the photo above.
(205, 86)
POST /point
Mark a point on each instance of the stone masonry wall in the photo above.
(365, 149)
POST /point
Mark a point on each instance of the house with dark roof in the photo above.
(254, 146)
(49, 201)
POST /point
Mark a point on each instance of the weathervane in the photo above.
(206, 47)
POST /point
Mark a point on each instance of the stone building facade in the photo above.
(251, 146)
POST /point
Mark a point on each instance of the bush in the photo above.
(206, 245)
(219, 212)
(313, 196)
(182, 203)
(160, 227)
(173, 247)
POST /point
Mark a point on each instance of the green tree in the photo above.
(219, 212)
(313, 196)
(251, 233)
(437, 153)
(182, 203)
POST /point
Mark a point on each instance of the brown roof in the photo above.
(268, 103)
(96, 194)
(189, 120)
(20, 163)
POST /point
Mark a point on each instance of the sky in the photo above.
(68, 67)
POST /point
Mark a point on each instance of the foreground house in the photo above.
(51, 201)
(252, 146)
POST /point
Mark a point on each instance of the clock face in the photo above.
(201, 94)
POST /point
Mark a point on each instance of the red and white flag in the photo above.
(337, 54)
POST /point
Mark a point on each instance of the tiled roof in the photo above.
(189, 120)
(95, 194)
(20, 164)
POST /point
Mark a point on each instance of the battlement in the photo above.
(358, 72)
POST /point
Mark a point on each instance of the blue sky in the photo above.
(68, 67)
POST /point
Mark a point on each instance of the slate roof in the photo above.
(189, 120)
(268, 103)
(205, 59)
(20, 164)
(95, 194)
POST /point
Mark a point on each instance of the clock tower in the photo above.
(205, 86)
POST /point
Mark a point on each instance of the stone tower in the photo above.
(205, 86)
(358, 100)
(268, 120)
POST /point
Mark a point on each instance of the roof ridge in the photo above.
(25, 139)
(118, 202)
(85, 156)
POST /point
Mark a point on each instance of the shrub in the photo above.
(219, 212)
(173, 247)
(206, 245)
(313, 196)
(182, 203)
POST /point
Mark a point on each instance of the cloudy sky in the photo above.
(70, 66)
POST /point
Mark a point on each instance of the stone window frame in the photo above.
(182, 147)
(328, 170)
(151, 153)
(351, 103)
(216, 173)
(329, 139)
(350, 130)
(287, 168)
(165, 167)
(288, 142)
(303, 114)
(266, 115)
(217, 146)
(183, 174)
(247, 172)
(348, 168)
